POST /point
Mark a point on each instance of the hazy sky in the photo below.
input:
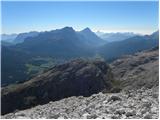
(139, 17)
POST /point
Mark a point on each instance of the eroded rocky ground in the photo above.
(138, 70)
(142, 103)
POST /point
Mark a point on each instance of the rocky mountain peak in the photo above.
(86, 30)
(67, 28)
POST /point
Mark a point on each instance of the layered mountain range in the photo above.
(131, 45)
(62, 45)
(136, 75)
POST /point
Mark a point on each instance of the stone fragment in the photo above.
(131, 113)
(144, 110)
(94, 116)
(54, 116)
(114, 98)
(147, 116)
(147, 104)
(120, 111)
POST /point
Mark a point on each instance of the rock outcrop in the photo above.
(138, 70)
(75, 78)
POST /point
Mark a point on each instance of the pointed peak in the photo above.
(87, 28)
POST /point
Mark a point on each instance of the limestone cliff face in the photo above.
(78, 77)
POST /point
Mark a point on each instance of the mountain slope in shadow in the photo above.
(78, 77)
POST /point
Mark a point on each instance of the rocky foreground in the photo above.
(142, 103)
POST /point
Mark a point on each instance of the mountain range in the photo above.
(64, 42)
(22, 36)
(52, 47)
(12, 39)
(8, 37)
(114, 50)
(112, 37)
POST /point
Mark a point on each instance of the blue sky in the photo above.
(139, 17)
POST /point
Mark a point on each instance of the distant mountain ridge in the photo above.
(63, 42)
(22, 36)
(17, 38)
(131, 45)
(112, 37)
(8, 37)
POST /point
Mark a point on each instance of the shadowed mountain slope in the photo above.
(78, 77)
(13, 65)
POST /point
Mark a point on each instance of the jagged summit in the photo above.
(87, 29)
(64, 29)
(68, 28)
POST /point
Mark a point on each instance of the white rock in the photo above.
(85, 115)
(130, 113)
(147, 116)
(120, 111)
